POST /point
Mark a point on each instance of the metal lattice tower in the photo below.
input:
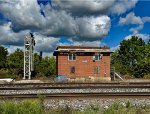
(29, 43)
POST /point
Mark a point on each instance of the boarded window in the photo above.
(72, 56)
(72, 69)
(96, 70)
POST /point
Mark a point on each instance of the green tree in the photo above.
(52, 65)
(3, 56)
(143, 65)
(127, 59)
(46, 67)
(15, 62)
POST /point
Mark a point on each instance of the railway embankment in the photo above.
(75, 89)
(56, 92)
(80, 95)
(104, 103)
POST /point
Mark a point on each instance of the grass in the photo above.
(37, 107)
(24, 107)
(5, 73)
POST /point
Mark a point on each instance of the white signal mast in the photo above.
(29, 43)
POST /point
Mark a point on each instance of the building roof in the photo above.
(81, 47)
(86, 49)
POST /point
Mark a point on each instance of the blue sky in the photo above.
(118, 33)
(70, 22)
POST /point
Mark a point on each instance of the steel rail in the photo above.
(75, 84)
(113, 94)
(76, 87)
(119, 82)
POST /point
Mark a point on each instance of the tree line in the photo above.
(12, 64)
(132, 58)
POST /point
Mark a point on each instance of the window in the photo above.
(72, 69)
(96, 70)
(72, 56)
(97, 57)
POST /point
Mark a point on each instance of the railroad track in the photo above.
(53, 90)
(76, 87)
(76, 95)
(33, 85)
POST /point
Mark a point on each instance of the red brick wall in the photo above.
(84, 66)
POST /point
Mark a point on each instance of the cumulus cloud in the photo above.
(137, 29)
(45, 44)
(57, 23)
(8, 37)
(61, 23)
(83, 7)
(13, 48)
(54, 22)
(24, 14)
(131, 18)
(14, 40)
(83, 21)
(143, 36)
(121, 6)
(93, 28)
(88, 7)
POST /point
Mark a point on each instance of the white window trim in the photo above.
(100, 57)
(72, 57)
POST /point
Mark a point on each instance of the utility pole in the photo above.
(29, 43)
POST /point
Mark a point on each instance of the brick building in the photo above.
(83, 62)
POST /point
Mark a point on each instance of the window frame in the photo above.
(99, 57)
(72, 69)
(73, 57)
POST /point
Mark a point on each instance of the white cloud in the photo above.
(8, 37)
(86, 7)
(23, 13)
(146, 19)
(121, 6)
(55, 23)
(83, 43)
(115, 48)
(130, 19)
(93, 27)
(61, 23)
(45, 44)
(137, 29)
(88, 43)
(58, 23)
(48, 54)
(26, 15)
(83, 7)
(12, 48)
(143, 36)
(16, 40)
(85, 21)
